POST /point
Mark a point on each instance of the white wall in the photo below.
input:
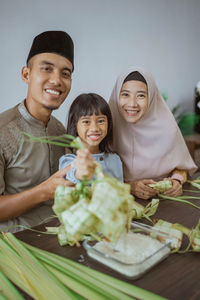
(161, 35)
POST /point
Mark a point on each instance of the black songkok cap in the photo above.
(135, 76)
(58, 42)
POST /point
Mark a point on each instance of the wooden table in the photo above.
(176, 278)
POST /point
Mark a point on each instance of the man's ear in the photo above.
(25, 73)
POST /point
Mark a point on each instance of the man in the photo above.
(27, 170)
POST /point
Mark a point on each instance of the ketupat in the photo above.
(64, 198)
(106, 207)
(108, 196)
(111, 204)
(101, 208)
(138, 211)
(175, 234)
(193, 236)
(176, 231)
(108, 211)
(161, 186)
(78, 220)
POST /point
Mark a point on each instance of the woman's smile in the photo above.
(132, 112)
(133, 100)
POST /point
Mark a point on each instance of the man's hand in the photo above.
(49, 186)
(14, 205)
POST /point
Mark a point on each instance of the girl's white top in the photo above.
(154, 146)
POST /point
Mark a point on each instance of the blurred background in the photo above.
(109, 35)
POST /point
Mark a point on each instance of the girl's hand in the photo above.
(176, 189)
(85, 164)
(141, 189)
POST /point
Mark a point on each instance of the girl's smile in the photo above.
(92, 130)
(94, 137)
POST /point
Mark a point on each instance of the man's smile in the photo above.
(53, 92)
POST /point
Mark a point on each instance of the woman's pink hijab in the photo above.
(154, 146)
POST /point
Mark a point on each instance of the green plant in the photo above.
(185, 120)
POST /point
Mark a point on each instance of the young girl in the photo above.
(90, 119)
(146, 135)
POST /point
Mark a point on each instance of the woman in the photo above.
(146, 135)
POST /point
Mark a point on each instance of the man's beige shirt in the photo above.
(25, 164)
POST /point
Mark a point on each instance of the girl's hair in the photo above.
(89, 104)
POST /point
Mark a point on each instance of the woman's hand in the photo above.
(142, 190)
(176, 189)
(85, 164)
